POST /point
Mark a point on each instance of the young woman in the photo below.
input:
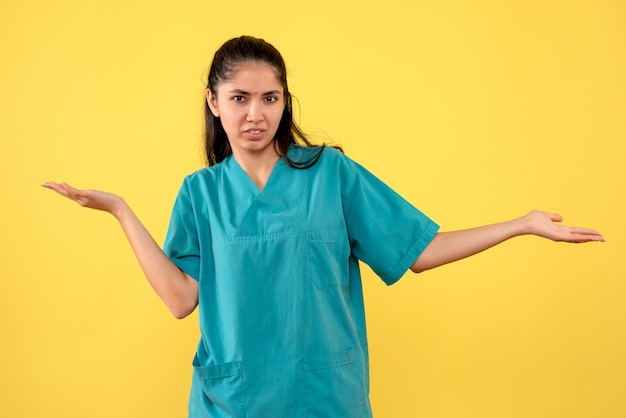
(266, 241)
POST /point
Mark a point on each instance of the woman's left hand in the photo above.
(545, 225)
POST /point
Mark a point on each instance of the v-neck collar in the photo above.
(247, 179)
(249, 212)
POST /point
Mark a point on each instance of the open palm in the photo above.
(545, 225)
(93, 199)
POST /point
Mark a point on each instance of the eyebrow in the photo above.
(243, 92)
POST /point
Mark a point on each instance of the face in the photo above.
(250, 106)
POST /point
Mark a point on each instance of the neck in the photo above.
(257, 167)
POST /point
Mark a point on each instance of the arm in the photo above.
(178, 290)
(447, 247)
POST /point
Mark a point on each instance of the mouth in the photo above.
(254, 133)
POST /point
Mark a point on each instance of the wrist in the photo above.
(524, 224)
(120, 209)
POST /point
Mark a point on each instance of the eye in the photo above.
(238, 98)
(271, 99)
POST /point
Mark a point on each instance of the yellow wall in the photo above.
(475, 111)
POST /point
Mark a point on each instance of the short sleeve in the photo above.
(386, 232)
(181, 242)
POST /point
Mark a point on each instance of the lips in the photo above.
(254, 133)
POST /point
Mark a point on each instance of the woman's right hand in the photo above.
(93, 199)
(178, 290)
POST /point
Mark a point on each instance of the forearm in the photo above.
(447, 247)
(176, 289)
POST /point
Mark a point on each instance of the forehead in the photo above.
(252, 74)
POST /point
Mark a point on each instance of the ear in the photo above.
(212, 102)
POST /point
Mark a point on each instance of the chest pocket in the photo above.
(328, 253)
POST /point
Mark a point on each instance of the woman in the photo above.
(266, 241)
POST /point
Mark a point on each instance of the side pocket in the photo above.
(223, 390)
(328, 254)
(335, 385)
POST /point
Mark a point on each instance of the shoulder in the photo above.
(205, 174)
(344, 167)
(328, 156)
(203, 180)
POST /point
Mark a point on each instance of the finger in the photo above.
(555, 217)
(73, 193)
(50, 185)
(586, 238)
(585, 232)
(580, 235)
(55, 187)
(65, 190)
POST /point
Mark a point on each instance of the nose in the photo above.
(255, 112)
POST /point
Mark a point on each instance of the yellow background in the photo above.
(475, 111)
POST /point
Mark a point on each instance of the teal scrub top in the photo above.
(280, 299)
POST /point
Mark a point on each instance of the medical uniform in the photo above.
(281, 306)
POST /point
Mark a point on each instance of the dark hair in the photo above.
(233, 53)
